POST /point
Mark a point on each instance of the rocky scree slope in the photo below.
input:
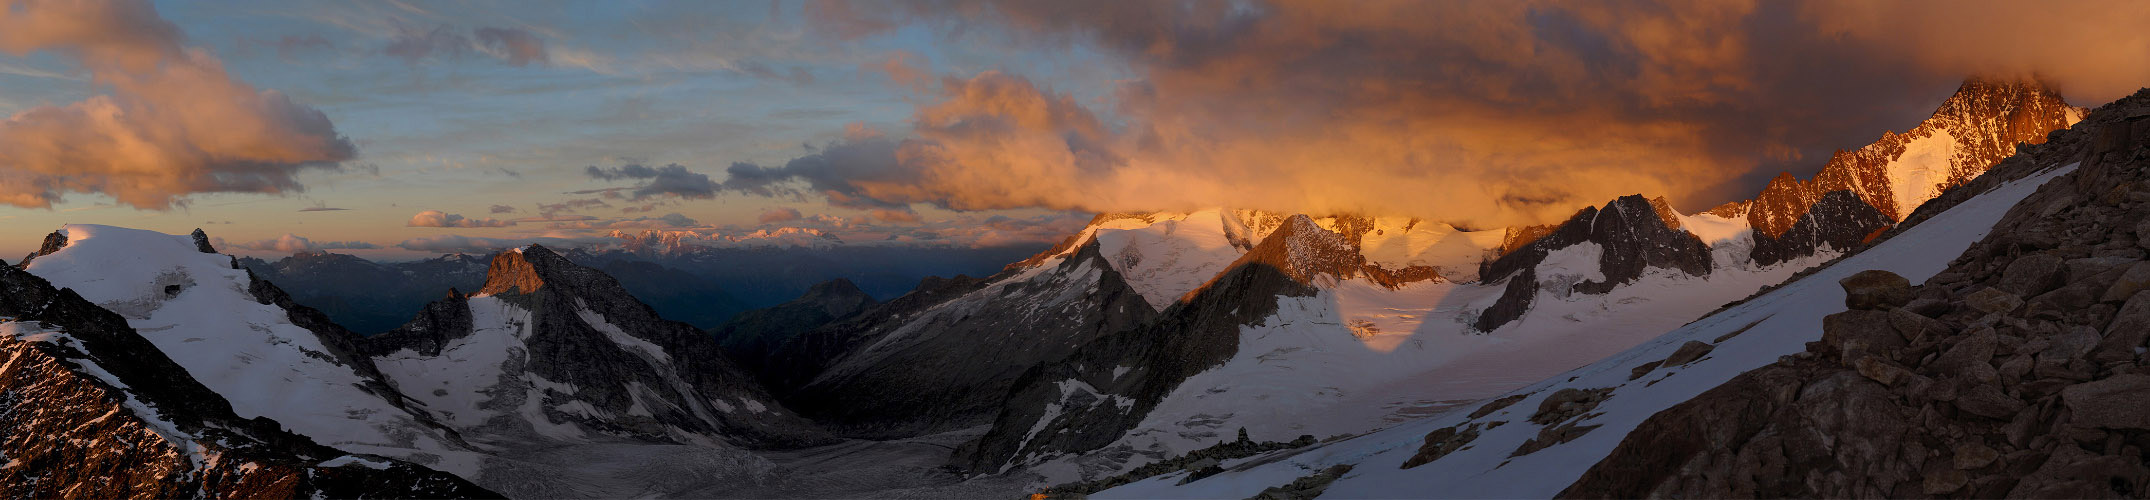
(2017, 372)
(92, 409)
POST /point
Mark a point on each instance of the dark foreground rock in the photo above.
(2018, 374)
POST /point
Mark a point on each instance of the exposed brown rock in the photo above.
(1875, 289)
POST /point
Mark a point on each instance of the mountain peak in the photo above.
(1302, 249)
(520, 271)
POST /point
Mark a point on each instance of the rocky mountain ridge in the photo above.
(94, 409)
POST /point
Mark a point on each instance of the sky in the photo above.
(395, 129)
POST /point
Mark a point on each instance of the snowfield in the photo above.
(1750, 335)
(196, 309)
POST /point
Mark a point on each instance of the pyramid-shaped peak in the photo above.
(523, 270)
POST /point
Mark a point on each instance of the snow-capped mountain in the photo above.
(243, 338)
(553, 352)
(1977, 126)
(92, 407)
(942, 357)
(1832, 436)
(663, 242)
(1353, 350)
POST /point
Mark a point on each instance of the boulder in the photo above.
(2113, 403)
(2130, 327)
(1969, 357)
(1974, 455)
(2135, 279)
(1993, 300)
(1875, 289)
(2034, 274)
(1987, 400)
(1688, 353)
(1856, 332)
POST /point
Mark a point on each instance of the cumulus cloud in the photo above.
(672, 179)
(436, 218)
(503, 209)
(291, 243)
(1481, 112)
(779, 214)
(174, 121)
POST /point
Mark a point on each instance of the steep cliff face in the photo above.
(92, 409)
(550, 351)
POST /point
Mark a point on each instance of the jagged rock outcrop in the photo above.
(1838, 221)
(551, 350)
(1087, 400)
(90, 408)
(2016, 372)
(53, 243)
(1633, 234)
(753, 337)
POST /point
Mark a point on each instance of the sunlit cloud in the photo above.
(174, 123)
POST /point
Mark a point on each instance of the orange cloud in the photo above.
(174, 123)
(1476, 112)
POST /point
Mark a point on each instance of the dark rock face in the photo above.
(677, 385)
(1635, 233)
(53, 243)
(1838, 219)
(1083, 393)
(1992, 396)
(795, 360)
(201, 242)
(72, 433)
(753, 337)
(950, 365)
(1515, 300)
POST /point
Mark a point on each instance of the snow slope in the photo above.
(197, 310)
(1397, 243)
(1170, 256)
(1750, 335)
